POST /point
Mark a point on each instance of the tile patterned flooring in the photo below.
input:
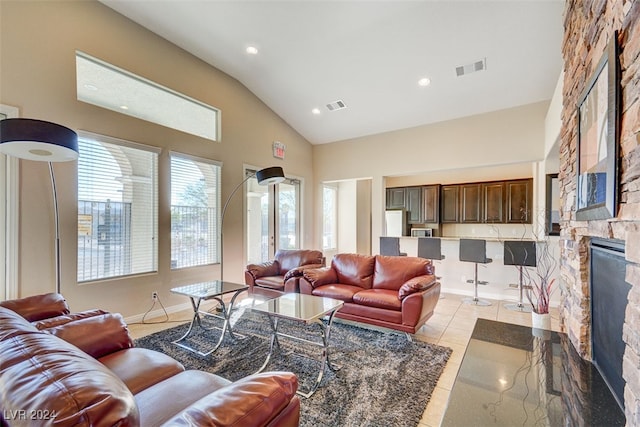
(450, 326)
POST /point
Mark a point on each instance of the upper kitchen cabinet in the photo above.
(395, 198)
(493, 202)
(431, 204)
(519, 201)
(413, 204)
(449, 203)
(470, 203)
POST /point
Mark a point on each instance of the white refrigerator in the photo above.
(395, 222)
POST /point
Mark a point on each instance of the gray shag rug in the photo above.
(384, 379)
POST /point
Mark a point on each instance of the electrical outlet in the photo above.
(154, 295)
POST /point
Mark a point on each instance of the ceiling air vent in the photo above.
(336, 105)
(471, 68)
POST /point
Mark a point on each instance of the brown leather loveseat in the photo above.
(389, 291)
(81, 369)
(284, 271)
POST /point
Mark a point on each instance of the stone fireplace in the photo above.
(589, 25)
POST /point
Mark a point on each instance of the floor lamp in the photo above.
(267, 176)
(45, 142)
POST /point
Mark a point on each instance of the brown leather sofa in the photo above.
(81, 369)
(389, 291)
(284, 271)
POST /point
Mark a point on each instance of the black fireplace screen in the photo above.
(609, 292)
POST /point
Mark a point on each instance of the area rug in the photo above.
(384, 379)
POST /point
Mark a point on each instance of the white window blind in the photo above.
(195, 211)
(117, 208)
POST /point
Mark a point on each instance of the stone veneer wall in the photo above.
(589, 25)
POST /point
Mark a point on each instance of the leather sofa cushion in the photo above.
(97, 335)
(41, 372)
(292, 258)
(354, 269)
(393, 272)
(140, 368)
(184, 389)
(262, 396)
(337, 291)
(38, 307)
(272, 282)
(12, 324)
(381, 298)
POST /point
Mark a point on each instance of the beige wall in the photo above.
(504, 143)
(37, 63)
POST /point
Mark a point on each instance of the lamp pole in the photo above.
(267, 176)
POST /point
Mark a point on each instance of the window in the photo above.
(329, 217)
(117, 208)
(195, 201)
(108, 86)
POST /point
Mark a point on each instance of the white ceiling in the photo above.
(369, 54)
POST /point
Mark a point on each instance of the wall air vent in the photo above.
(336, 105)
(471, 68)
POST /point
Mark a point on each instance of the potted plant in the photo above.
(539, 282)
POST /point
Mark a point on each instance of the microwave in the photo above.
(421, 232)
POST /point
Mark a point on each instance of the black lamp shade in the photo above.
(38, 140)
(270, 176)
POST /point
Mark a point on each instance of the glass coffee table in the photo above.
(302, 309)
(203, 291)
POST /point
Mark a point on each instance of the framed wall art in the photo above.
(598, 129)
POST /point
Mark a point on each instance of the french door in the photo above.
(273, 218)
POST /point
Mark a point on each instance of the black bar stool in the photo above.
(430, 248)
(390, 246)
(475, 251)
(521, 254)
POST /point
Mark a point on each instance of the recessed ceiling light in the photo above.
(124, 107)
(424, 81)
(90, 87)
(316, 111)
(252, 50)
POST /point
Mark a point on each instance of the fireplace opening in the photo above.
(609, 296)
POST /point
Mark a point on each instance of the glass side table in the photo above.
(203, 291)
(302, 309)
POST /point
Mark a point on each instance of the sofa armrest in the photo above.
(66, 318)
(320, 276)
(97, 336)
(269, 268)
(416, 284)
(252, 401)
(38, 307)
(299, 271)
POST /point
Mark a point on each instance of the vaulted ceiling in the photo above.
(370, 55)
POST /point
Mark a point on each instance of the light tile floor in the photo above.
(450, 326)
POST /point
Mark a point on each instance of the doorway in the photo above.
(273, 218)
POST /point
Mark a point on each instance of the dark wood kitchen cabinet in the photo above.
(395, 198)
(493, 201)
(449, 203)
(519, 201)
(470, 203)
(413, 204)
(431, 204)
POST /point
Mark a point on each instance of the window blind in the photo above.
(117, 208)
(195, 211)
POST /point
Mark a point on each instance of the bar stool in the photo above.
(390, 246)
(521, 254)
(475, 251)
(430, 248)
